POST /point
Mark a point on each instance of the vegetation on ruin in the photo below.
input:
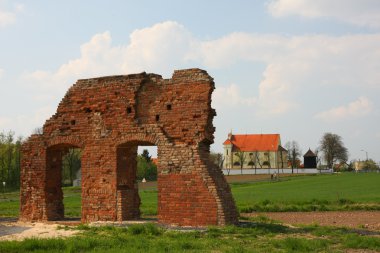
(255, 235)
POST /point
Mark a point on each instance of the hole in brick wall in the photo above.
(87, 110)
(73, 122)
(64, 164)
(157, 117)
(129, 109)
(169, 107)
(136, 166)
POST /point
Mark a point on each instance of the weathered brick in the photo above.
(108, 117)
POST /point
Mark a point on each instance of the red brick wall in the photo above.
(108, 117)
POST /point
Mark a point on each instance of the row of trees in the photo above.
(71, 163)
(10, 156)
(10, 162)
(331, 150)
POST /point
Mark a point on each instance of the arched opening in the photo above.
(63, 193)
(136, 180)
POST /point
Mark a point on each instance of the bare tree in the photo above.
(218, 160)
(242, 157)
(333, 149)
(252, 161)
(269, 163)
(38, 130)
(282, 161)
(294, 153)
(258, 160)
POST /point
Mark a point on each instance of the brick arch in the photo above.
(101, 115)
(65, 140)
(139, 138)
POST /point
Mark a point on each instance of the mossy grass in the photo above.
(253, 235)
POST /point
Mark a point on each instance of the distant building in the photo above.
(258, 151)
(359, 165)
(310, 160)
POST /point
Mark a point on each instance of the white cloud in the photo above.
(359, 108)
(293, 64)
(230, 96)
(1, 72)
(34, 120)
(297, 63)
(160, 48)
(357, 12)
(8, 17)
(97, 58)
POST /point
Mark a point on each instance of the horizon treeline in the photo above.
(10, 159)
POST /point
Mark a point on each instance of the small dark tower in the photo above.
(310, 160)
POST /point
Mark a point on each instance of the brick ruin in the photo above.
(108, 118)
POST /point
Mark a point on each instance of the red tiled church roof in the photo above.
(254, 142)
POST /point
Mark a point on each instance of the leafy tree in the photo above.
(71, 164)
(370, 165)
(241, 158)
(10, 159)
(145, 167)
(145, 154)
(294, 152)
(333, 149)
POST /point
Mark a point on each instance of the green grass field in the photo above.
(346, 191)
(260, 235)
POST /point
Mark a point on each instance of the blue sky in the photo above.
(295, 67)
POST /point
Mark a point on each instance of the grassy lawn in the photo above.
(260, 235)
(346, 191)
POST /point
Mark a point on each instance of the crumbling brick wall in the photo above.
(108, 118)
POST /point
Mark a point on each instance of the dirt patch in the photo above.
(18, 231)
(355, 219)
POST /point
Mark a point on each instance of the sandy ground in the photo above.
(356, 219)
(11, 229)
